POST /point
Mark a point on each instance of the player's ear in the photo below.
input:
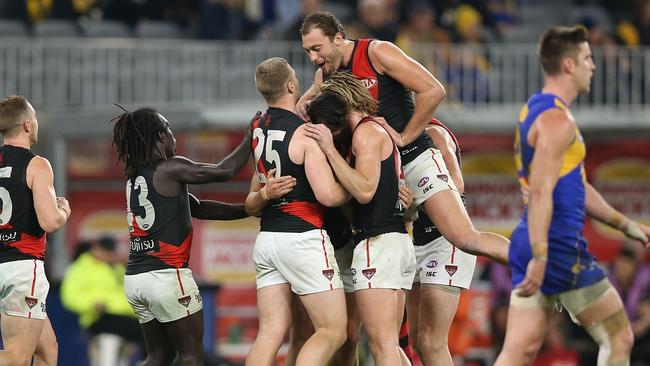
(569, 64)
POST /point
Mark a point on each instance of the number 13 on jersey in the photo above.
(264, 146)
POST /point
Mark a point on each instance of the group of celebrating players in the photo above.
(334, 195)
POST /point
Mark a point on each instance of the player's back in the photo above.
(160, 227)
(298, 210)
(21, 236)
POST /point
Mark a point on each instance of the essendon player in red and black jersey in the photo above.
(30, 209)
(299, 210)
(292, 252)
(158, 284)
(383, 263)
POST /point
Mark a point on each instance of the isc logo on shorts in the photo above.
(431, 273)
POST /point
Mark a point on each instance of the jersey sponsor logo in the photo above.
(31, 301)
(451, 269)
(8, 235)
(329, 273)
(423, 181)
(443, 177)
(369, 272)
(142, 245)
(369, 82)
(432, 264)
(185, 300)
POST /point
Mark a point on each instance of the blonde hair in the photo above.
(352, 91)
(13, 110)
(271, 76)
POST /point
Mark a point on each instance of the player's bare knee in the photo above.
(430, 343)
(18, 357)
(623, 341)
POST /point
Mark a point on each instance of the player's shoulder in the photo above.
(39, 165)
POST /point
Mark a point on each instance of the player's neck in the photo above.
(287, 102)
(354, 118)
(18, 142)
(562, 87)
(346, 50)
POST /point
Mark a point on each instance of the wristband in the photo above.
(617, 220)
(263, 193)
(540, 250)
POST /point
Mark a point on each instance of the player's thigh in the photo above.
(187, 334)
(301, 326)
(274, 308)
(156, 339)
(446, 210)
(47, 348)
(326, 309)
(378, 309)
(20, 334)
(535, 312)
(438, 305)
(413, 309)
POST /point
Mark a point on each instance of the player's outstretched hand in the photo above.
(534, 277)
(637, 231)
(277, 187)
(322, 135)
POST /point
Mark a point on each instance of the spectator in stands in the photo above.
(225, 19)
(377, 20)
(93, 288)
(630, 276)
(643, 22)
(420, 27)
(292, 32)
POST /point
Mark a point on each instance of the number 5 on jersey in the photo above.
(263, 145)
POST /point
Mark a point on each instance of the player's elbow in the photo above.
(52, 225)
(364, 197)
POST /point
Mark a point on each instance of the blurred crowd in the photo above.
(625, 22)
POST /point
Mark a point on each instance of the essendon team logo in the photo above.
(369, 272)
(329, 273)
(369, 82)
(443, 177)
(185, 300)
(31, 301)
(451, 269)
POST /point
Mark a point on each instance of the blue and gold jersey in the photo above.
(570, 265)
